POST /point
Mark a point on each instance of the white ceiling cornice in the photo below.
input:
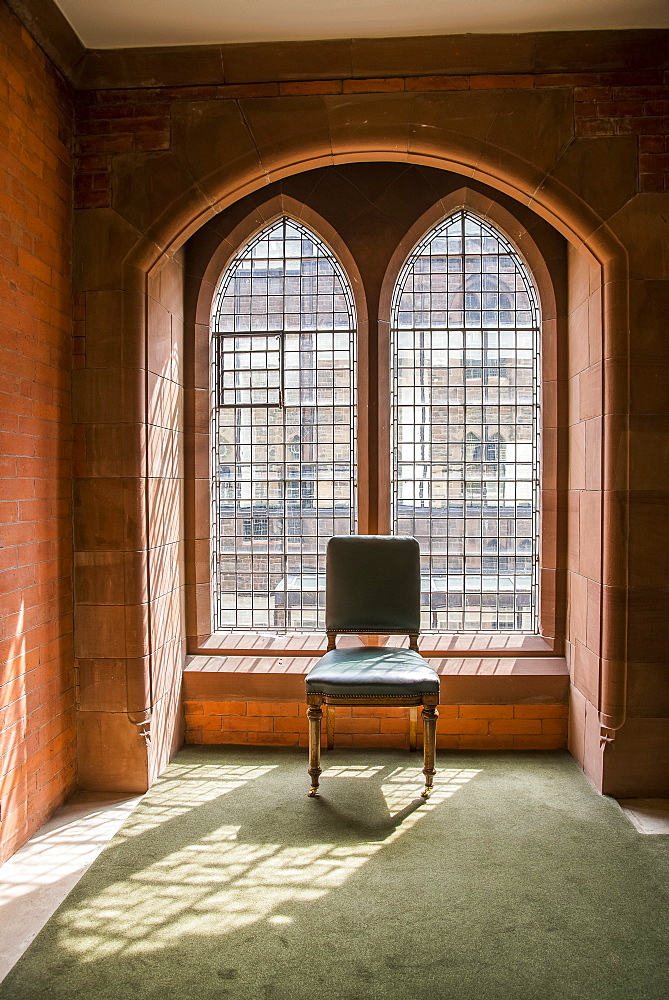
(104, 24)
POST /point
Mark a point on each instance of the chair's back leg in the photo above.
(413, 727)
(430, 716)
(314, 715)
(330, 725)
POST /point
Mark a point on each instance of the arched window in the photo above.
(473, 447)
(283, 428)
(465, 426)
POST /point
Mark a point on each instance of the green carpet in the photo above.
(515, 881)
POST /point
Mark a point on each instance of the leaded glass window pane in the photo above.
(465, 426)
(283, 441)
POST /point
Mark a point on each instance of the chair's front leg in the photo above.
(430, 716)
(314, 715)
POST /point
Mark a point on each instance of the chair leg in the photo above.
(413, 727)
(330, 726)
(314, 715)
(430, 716)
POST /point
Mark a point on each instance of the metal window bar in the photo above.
(465, 421)
(283, 463)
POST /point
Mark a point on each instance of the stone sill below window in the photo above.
(431, 644)
(526, 677)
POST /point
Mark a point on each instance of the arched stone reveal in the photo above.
(197, 419)
(130, 267)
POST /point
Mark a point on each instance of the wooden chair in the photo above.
(372, 588)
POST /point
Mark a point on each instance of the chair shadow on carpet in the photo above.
(173, 815)
(346, 819)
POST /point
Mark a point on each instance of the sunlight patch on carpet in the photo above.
(218, 883)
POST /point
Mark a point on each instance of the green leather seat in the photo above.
(392, 672)
(372, 588)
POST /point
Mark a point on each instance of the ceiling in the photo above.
(132, 23)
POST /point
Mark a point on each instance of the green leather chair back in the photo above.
(372, 584)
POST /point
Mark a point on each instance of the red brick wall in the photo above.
(638, 106)
(37, 748)
(463, 727)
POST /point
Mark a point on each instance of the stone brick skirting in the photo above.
(460, 727)
(489, 703)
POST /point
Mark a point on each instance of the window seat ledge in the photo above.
(464, 680)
